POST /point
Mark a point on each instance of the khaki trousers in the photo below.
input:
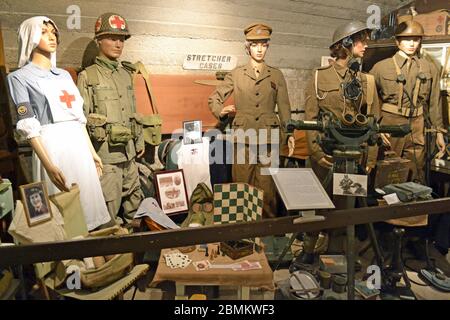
(121, 187)
(410, 147)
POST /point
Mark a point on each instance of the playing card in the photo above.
(185, 263)
(175, 259)
(202, 265)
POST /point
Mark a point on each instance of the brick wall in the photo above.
(164, 31)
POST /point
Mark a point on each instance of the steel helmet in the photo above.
(348, 30)
(111, 23)
(409, 28)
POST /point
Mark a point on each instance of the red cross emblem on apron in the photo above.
(67, 98)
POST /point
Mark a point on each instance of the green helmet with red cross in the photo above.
(111, 23)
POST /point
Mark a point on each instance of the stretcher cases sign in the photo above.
(210, 62)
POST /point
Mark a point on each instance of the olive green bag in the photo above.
(115, 268)
(151, 127)
(96, 125)
(118, 135)
(151, 124)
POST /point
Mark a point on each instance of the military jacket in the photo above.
(429, 94)
(329, 97)
(255, 98)
(114, 98)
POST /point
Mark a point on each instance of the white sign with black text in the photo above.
(210, 62)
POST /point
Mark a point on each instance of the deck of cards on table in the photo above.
(175, 259)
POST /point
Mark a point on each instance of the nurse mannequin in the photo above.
(50, 115)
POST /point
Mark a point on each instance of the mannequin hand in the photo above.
(385, 137)
(141, 153)
(228, 110)
(440, 142)
(98, 164)
(291, 146)
(325, 163)
(58, 179)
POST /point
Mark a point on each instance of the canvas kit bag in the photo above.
(151, 124)
(68, 222)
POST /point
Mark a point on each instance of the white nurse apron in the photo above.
(67, 147)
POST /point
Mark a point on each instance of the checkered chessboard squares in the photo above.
(237, 202)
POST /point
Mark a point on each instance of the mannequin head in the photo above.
(38, 38)
(408, 37)
(257, 50)
(354, 45)
(408, 45)
(360, 44)
(257, 36)
(49, 40)
(111, 45)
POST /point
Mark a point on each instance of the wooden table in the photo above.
(244, 280)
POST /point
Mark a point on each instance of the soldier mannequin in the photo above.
(257, 88)
(324, 93)
(107, 89)
(417, 80)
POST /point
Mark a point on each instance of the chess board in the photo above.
(237, 202)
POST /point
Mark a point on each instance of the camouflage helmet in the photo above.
(409, 28)
(347, 30)
(111, 23)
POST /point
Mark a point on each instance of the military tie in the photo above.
(408, 65)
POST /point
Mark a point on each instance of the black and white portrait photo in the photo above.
(192, 132)
(36, 203)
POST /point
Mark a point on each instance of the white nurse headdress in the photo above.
(29, 36)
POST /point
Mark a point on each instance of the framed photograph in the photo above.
(192, 132)
(171, 190)
(36, 203)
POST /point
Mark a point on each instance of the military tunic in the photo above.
(329, 97)
(412, 146)
(255, 101)
(114, 98)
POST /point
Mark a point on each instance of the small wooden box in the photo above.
(391, 170)
(237, 249)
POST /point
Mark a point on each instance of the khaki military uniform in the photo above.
(113, 97)
(412, 146)
(255, 96)
(324, 93)
(329, 97)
